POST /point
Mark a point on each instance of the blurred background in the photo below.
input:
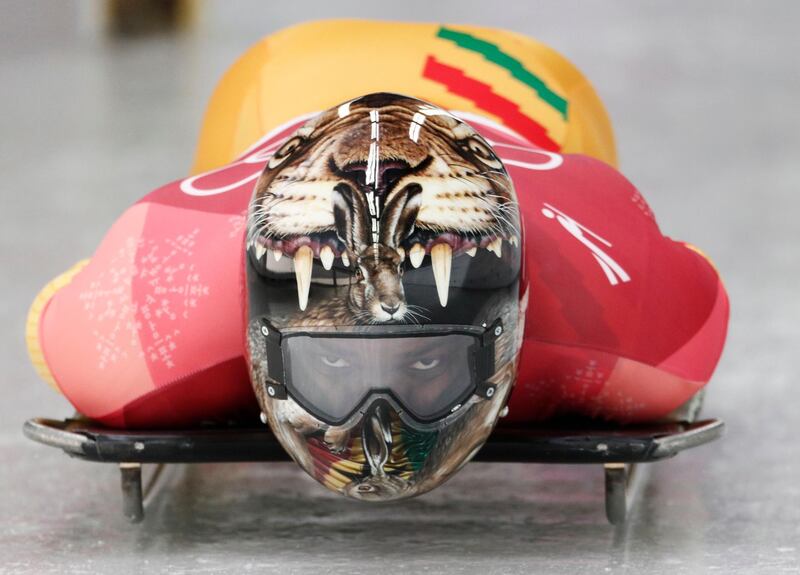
(102, 102)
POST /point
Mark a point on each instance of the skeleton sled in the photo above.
(620, 450)
(536, 110)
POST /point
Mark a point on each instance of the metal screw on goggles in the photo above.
(428, 371)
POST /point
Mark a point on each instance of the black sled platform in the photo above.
(618, 449)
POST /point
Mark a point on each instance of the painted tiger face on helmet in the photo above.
(383, 292)
(376, 181)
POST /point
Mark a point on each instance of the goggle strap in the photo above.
(272, 341)
(484, 360)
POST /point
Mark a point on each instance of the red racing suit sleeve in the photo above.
(622, 322)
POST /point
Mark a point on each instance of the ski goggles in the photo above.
(428, 372)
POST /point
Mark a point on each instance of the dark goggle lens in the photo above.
(333, 375)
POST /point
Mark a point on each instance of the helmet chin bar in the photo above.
(481, 356)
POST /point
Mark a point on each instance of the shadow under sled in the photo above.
(618, 448)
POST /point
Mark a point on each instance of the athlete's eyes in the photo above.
(285, 151)
(425, 364)
(337, 362)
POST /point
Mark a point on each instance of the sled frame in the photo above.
(620, 450)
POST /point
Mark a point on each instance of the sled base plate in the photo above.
(618, 448)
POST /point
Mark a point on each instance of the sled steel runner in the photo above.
(618, 449)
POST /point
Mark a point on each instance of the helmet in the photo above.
(383, 277)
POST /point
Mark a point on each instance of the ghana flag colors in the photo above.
(506, 77)
(514, 114)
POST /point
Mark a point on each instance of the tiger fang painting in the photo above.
(374, 183)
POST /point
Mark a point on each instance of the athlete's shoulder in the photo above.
(581, 185)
